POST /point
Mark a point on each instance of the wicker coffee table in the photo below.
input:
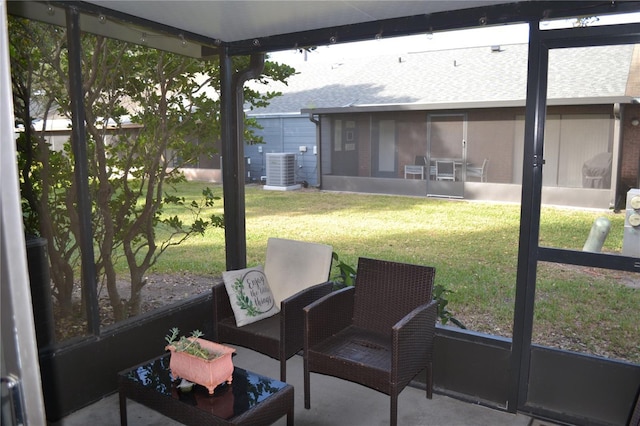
(251, 399)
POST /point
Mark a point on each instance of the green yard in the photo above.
(472, 245)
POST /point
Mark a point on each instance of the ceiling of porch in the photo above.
(232, 21)
(200, 28)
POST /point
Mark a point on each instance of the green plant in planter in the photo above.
(188, 345)
(439, 293)
(346, 273)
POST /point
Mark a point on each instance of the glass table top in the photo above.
(246, 391)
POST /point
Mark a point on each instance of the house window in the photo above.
(345, 135)
(337, 135)
(387, 146)
(350, 135)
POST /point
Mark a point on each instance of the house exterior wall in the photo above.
(412, 138)
(491, 135)
(280, 133)
(496, 134)
(284, 133)
(210, 160)
(363, 150)
(630, 158)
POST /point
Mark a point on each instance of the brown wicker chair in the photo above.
(378, 333)
(298, 274)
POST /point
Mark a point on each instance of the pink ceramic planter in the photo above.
(205, 372)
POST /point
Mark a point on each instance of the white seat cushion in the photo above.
(292, 266)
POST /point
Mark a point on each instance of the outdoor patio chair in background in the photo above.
(378, 333)
(479, 172)
(416, 169)
(297, 273)
(445, 170)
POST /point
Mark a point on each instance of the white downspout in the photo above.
(317, 151)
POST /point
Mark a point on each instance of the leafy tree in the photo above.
(174, 101)
(46, 176)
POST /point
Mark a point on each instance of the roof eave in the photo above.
(439, 106)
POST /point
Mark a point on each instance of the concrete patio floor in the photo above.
(334, 402)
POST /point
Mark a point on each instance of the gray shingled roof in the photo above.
(475, 74)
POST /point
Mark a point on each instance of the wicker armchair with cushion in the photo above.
(297, 273)
(378, 333)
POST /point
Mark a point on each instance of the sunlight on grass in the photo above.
(473, 245)
(569, 228)
(584, 308)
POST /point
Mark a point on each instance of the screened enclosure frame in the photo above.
(530, 252)
(540, 42)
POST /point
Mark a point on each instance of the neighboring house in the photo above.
(383, 124)
(56, 131)
(391, 124)
(288, 133)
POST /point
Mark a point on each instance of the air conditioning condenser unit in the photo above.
(281, 171)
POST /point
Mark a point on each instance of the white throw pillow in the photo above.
(250, 295)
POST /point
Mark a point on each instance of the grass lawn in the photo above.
(473, 246)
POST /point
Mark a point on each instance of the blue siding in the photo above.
(285, 134)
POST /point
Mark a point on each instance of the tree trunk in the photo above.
(119, 311)
(137, 284)
(63, 277)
